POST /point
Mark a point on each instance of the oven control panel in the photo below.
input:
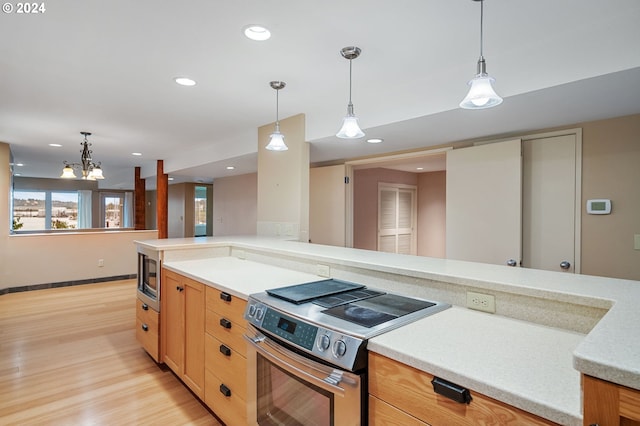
(333, 347)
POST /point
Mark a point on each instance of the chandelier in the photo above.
(90, 170)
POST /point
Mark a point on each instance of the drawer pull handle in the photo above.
(225, 390)
(451, 390)
(145, 327)
(225, 296)
(225, 350)
(225, 323)
(145, 307)
(179, 288)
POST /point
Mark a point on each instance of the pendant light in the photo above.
(350, 128)
(90, 170)
(481, 94)
(276, 140)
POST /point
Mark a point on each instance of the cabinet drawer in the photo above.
(411, 391)
(231, 369)
(146, 315)
(232, 309)
(232, 409)
(383, 414)
(147, 333)
(231, 337)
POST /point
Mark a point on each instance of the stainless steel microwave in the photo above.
(149, 267)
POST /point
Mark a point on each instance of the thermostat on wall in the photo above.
(599, 206)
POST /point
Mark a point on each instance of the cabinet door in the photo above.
(172, 322)
(194, 302)
(484, 187)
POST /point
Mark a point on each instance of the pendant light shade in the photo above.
(350, 128)
(276, 140)
(481, 93)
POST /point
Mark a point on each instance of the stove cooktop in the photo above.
(333, 319)
(347, 307)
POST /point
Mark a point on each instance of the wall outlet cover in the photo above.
(481, 302)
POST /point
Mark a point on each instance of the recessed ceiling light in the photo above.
(419, 168)
(19, 164)
(184, 81)
(257, 32)
(17, 174)
(137, 154)
(231, 168)
(55, 145)
(375, 140)
(170, 178)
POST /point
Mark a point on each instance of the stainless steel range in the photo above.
(308, 345)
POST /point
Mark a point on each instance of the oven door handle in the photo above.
(332, 377)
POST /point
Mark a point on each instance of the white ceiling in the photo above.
(108, 68)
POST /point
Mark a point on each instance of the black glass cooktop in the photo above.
(378, 309)
(302, 293)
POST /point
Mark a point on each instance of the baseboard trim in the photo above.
(65, 283)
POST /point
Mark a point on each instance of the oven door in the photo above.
(149, 279)
(285, 388)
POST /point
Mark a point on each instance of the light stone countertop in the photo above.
(238, 277)
(610, 350)
(525, 365)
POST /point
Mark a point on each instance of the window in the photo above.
(35, 210)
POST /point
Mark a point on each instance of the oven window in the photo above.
(284, 399)
(150, 276)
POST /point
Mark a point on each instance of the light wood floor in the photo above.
(69, 356)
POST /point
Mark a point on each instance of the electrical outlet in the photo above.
(324, 271)
(100, 263)
(481, 302)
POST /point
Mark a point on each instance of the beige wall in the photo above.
(365, 202)
(49, 258)
(235, 200)
(283, 182)
(176, 195)
(611, 169)
(432, 190)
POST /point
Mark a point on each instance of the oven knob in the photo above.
(324, 342)
(339, 348)
(259, 314)
(252, 310)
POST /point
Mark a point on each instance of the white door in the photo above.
(484, 186)
(549, 203)
(327, 205)
(397, 218)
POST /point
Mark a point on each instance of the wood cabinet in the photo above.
(182, 326)
(404, 395)
(608, 404)
(225, 352)
(148, 329)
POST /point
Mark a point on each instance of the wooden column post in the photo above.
(162, 201)
(139, 202)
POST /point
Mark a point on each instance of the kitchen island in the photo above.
(548, 327)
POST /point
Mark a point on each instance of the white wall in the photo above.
(235, 202)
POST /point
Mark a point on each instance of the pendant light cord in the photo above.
(350, 81)
(277, 106)
(481, 29)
